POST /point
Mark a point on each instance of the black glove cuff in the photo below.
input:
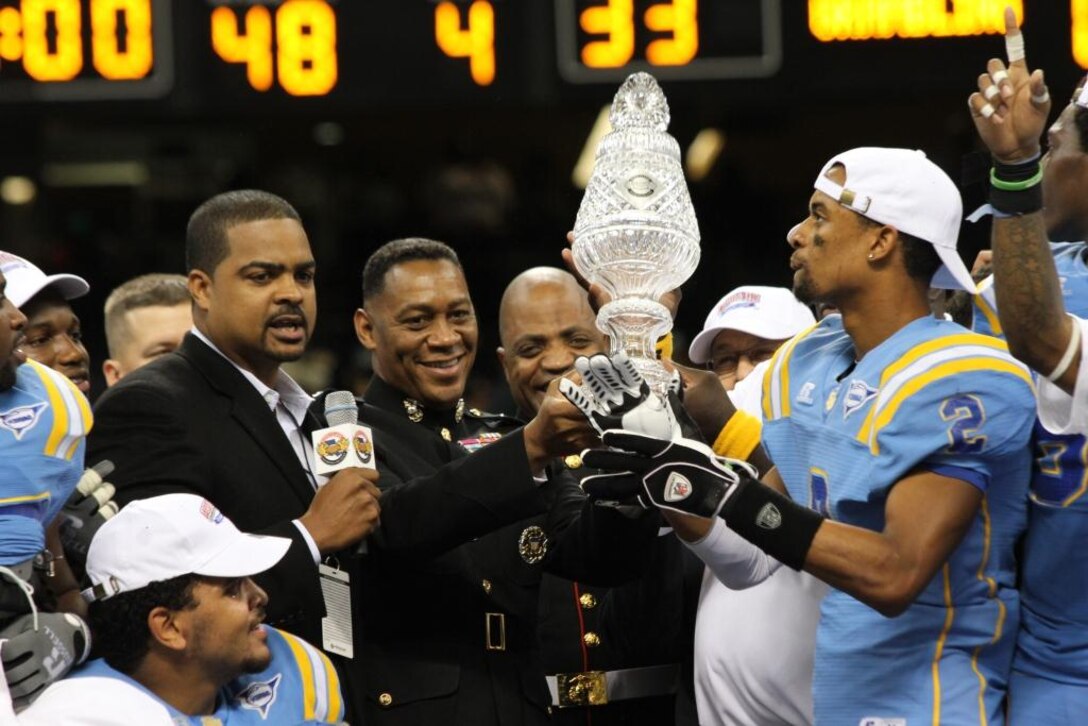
(772, 522)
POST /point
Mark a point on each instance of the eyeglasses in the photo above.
(727, 362)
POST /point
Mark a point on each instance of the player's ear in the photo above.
(883, 243)
(167, 628)
(111, 370)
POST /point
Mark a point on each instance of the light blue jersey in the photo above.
(44, 420)
(1053, 642)
(931, 397)
(299, 686)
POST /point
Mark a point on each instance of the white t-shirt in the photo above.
(95, 702)
(754, 647)
(1059, 412)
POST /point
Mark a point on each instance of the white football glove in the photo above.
(614, 395)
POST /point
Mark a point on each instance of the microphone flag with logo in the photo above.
(344, 444)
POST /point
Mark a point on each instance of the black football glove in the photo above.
(90, 505)
(683, 476)
(614, 395)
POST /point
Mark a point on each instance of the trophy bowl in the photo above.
(636, 234)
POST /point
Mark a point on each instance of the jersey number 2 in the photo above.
(967, 416)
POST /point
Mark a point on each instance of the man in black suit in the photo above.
(446, 625)
(219, 418)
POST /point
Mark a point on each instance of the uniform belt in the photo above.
(596, 688)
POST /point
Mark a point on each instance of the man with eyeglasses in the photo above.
(745, 328)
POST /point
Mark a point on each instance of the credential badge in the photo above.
(532, 544)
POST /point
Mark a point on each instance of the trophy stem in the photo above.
(634, 326)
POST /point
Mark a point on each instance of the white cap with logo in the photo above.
(25, 280)
(168, 536)
(771, 313)
(903, 189)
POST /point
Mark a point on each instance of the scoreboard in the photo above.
(252, 55)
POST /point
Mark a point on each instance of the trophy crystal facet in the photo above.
(636, 234)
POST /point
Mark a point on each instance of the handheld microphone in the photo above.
(345, 443)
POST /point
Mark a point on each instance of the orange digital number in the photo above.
(253, 47)
(109, 59)
(616, 20)
(1080, 32)
(679, 17)
(306, 47)
(476, 42)
(11, 38)
(305, 55)
(66, 60)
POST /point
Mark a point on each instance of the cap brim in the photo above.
(953, 274)
(69, 287)
(699, 350)
(249, 554)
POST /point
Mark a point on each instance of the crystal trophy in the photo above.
(636, 234)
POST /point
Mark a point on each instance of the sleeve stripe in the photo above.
(43, 496)
(776, 383)
(335, 714)
(923, 356)
(915, 384)
(57, 407)
(302, 658)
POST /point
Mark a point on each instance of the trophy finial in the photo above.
(640, 103)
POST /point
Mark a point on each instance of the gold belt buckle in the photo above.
(495, 640)
(582, 689)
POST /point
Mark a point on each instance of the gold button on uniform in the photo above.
(592, 639)
(588, 601)
(573, 461)
(487, 586)
(446, 434)
(385, 699)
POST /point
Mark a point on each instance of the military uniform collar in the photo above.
(384, 396)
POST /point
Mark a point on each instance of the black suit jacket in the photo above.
(423, 594)
(190, 422)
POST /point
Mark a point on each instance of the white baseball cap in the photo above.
(168, 536)
(772, 313)
(25, 280)
(903, 189)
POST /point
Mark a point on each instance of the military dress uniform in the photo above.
(445, 601)
(621, 655)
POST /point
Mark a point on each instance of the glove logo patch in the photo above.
(677, 488)
(532, 544)
(260, 695)
(769, 517)
(21, 419)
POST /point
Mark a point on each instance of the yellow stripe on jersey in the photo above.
(915, 354)
(870, 430)
(991, 588)
(309, 697)
(59, 431)
(333, 680)
(776, 404)
(989, 313)
(44, 496)
(950, 614)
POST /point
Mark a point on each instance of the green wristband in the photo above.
(1016, 186)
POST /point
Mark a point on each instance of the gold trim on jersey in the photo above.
(950, 614)
(988, 311)
(306, 672)
(991, 591)
(72, 418)
(22, 499)
(776, 381)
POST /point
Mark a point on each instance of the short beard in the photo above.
(8, 374)
(256, 665)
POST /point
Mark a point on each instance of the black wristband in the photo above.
(772, 522)
(1015, 189)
